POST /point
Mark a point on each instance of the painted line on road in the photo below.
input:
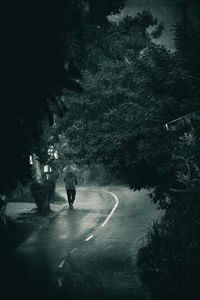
(59, 280)
(61, 264)
(60, 283)
(89, 237)
(112, 211)
(73, 250)
(63, 236)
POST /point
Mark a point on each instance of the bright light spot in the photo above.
(56, 154)
(30, 160)
(47, 169)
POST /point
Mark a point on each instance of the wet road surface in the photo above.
(85, 253)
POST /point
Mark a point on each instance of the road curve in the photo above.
(85, 253)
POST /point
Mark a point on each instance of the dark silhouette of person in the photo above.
(70, 180)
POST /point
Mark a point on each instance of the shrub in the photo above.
(169, 263)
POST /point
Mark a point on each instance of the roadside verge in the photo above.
(23, 220)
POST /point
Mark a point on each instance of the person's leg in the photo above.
(73, 195)
(69, 196)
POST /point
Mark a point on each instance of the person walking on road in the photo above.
(70, 180)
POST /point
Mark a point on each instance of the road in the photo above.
(85, 253)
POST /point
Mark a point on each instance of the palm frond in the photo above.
(184, 122)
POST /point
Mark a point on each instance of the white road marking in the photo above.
(63, 236)
(89, 237)
(92, 235)
(60, 282)
(112, 211)
(61, 264)
(73, 250)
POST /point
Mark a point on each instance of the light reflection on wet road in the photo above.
(74, 257)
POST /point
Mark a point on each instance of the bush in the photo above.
(169, 263)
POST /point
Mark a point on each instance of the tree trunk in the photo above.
(37, 174)
(38, 188)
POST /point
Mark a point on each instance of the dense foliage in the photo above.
(126, 101)
(38, 63)
(132, 88)
(34, 73)
(169, 263)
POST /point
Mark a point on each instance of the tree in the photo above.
(36, 72)
(118, 112)
(131, 89)
(38, 64)
(170, 256)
